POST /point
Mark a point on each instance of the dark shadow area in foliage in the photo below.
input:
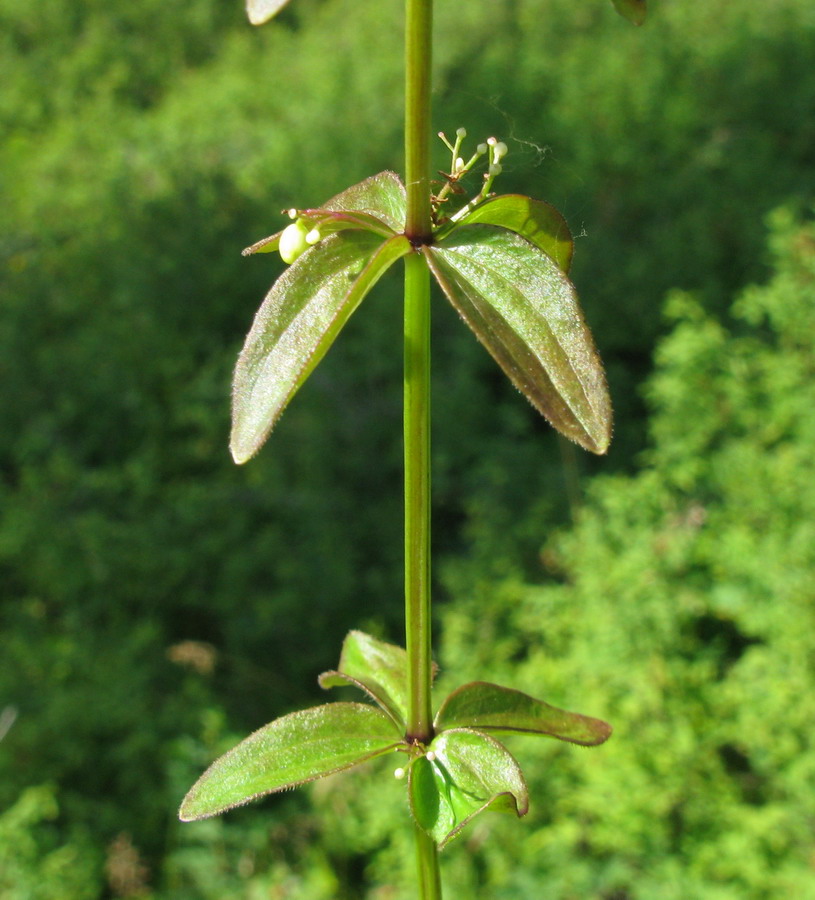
(722, 637)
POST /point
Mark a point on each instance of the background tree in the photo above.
(137, 148)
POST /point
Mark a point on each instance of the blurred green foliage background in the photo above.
(158, 603)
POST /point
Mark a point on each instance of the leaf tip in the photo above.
(187, 812)
(596, 436)
(634, 11)
(260, 11)
(595, 440)
(597, 733)
(239, 453)
(604, 732)
(600, 447)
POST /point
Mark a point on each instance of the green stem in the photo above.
(427, 859)
(418, 48)
(417, 497)
(418, 55)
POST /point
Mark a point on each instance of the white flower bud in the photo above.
(293, 241)
(313, 236)
(399, 773)
(461, 133)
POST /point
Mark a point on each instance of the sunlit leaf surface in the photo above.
(327, 222)
(290, 751)
(535, 220)
(382, 196)
(376, 667)
(470, 773)
(260, 11)
(490, 707)
(526, 313)
(377, 204)
(296, 324)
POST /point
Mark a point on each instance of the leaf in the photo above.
(633, 10)
(465, 774)
(327, 222)
(382, 196)
(291, 751)
(377, 668)
(526, 313)
(377, 204)
(490, 707)
(296, 324)
(260, 11)
(538, 222)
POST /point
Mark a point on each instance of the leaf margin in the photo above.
(194, 807)
(344, 211)
(541, 390)
(250, 429)
(498, 211)
(601, 729)
(635, 11)
(441, 771)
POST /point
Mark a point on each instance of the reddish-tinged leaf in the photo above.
(326, 222)
(490, 707)
(377, 204)
(526, 313)
(633, 10)
(381, 196)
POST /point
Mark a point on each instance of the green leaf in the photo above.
(633, 10)
(465, 774)
(260, 11)
(377, 204)
(291, 751)
(526, 313)
(381, 196)
(327, 223)
(490, 707)
(538, 222)
(296, 324)
(375, 667)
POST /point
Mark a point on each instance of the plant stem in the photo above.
(417, 497)
(427, 859)
(418, 228)
(418, 55)
(418, 46)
